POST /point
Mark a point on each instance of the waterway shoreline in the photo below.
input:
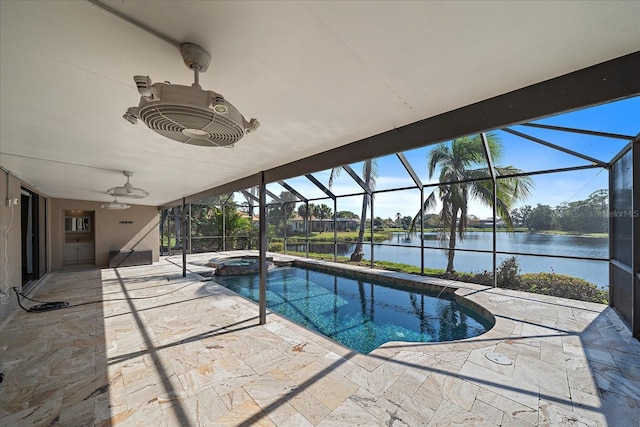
(398, 250)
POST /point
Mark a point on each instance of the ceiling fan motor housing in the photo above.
(188, 114)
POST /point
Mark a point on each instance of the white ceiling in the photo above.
(317, 75)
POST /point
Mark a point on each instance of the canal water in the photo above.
(406, 250)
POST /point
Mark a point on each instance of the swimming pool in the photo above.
(360, 314)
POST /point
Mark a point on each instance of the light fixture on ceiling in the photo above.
(115, 205)
(189, 114)
(128, 190)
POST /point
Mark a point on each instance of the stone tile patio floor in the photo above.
(163, 350)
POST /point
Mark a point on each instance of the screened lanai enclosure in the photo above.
(550, 205)
(546, 205)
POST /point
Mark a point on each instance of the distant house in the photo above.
(296, 224)
(486, 223)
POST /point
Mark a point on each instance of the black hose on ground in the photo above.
(43, 306)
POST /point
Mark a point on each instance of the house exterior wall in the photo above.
(136, 228)
(317, 225)
(114, 230)
(10, 244)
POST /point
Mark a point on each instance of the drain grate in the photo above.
(498, 358)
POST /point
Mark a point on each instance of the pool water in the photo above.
(360, 314)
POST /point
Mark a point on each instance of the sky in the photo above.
(619, 117)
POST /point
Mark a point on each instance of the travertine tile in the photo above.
(610, 380)
(541, 374)
(270, 388)
(588, 406)
(381, 378)
(552, 415)
(381, 408)
(188, 356)
(148, 413)
(247, 413)
(449, 414)
(582, 380)
(330, 389)
(517, 413)
(266, 360)
(198, 409)
(404, 387)
(349, 414)
(487, 412)
(549, 397)
(235, 397)
(410, 414)
(309, 406)
(79, 414)
(15, 399)
(296, 420)
(522, 392)
(193, 353)
(555, 355)
(620, 409)
(341, 365)
(451, 388)
(45, 414)
(599, 355)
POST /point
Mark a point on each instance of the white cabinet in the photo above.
(70, 252)
(78, 252)
(85, 251)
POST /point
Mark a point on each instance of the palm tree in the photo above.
(302, 212)
(322, 211)
(236, 225)
(459, 163)
(370, 173)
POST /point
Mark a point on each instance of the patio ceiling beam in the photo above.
(412, 173)
(357, 179)
(557, 147)
(321, 186)
(292, 190)
(582, 131)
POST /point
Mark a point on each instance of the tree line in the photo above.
(582, 216)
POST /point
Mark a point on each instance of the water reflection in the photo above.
(408, 252)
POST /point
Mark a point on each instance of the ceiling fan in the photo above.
(127, 190)
(116, 205)
(189, 114)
